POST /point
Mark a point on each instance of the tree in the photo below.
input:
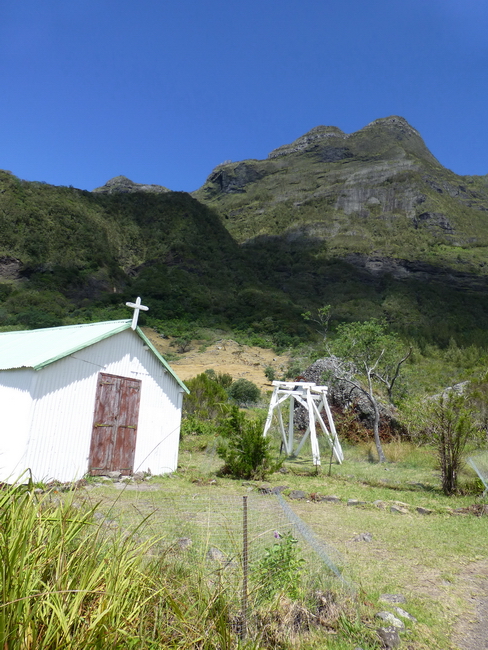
(321, 317)
(244, 392)
(372, 355)
(450, 426)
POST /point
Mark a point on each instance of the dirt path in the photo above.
(471, 631)
(224, 356)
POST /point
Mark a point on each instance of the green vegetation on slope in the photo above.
(369, 223)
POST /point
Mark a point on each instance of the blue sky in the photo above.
(162, 91)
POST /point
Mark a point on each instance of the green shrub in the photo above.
(182, 344)
(206, 397)
(279, 569)
(293, 370)
(450, 425)
(244, 392)
(243, 448)
(224, 379)
(270, 373)
(193, 425)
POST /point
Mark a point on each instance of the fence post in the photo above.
(244, 568)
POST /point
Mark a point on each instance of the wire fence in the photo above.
(251, 542)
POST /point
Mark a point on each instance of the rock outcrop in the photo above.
(123, 185)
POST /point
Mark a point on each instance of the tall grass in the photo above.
(73, 579)
(68, 582)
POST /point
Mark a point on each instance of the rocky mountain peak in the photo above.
(123, 185)
(309, 140)
(377, 136)
(394, 123)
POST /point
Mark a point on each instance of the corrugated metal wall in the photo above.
(16, 409)
(60, 433)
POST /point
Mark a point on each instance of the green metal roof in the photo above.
(38, 348)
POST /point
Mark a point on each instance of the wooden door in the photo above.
(114, 434)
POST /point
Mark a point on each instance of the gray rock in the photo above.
(184, 543)
(114, 474)
(393, 599)
(355, 502)
(391, 620)
(389, 637)
(123, 185)
(297, 494)
(363, 537)
(138, 476)
(401, 612)
(398, 510)
(379, 504)
(279, 489)
(216, 555)
(332, 498)
(340, 392)
(423, 511)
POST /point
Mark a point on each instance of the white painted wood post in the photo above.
(291, 428)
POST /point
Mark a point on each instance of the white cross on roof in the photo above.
(136, 306)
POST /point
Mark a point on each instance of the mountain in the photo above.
(376, 191)
(68, 255)
(368, 222)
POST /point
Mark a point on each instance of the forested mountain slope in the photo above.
(67, 254)
(369, 222)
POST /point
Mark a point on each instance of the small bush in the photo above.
(270, 373)
(450, 426)
(293, 370)
(224, 379)
(243, 448)
(244, 392)
(181, 344)
(193, 425)
(279, 570)
(206, 398)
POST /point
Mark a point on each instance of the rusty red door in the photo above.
(114, 434)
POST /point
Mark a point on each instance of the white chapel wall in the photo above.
(59, 441)
(16, 410)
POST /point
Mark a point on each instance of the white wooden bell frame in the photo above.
(314, 399)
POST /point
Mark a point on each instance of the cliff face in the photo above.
(376, 191)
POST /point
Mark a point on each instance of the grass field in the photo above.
(158, 564)
(432, 559)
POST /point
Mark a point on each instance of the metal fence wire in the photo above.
(233, 536)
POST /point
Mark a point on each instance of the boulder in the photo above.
(327, 371)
